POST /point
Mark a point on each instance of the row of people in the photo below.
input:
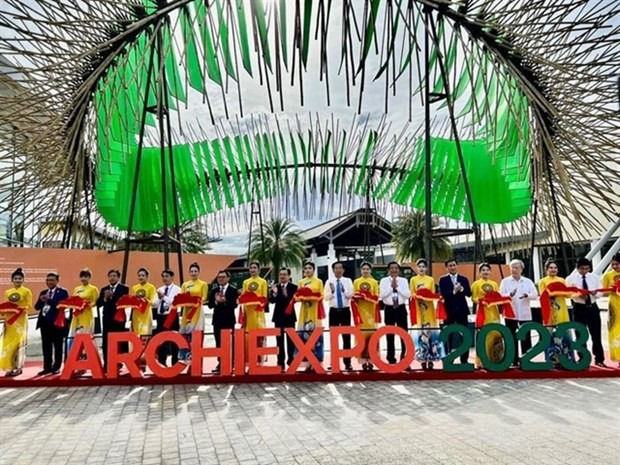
(347, 298)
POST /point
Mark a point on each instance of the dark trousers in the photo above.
(455, 340)
(526, 344)
(167, 348)
(342, 317)
(395, 316)
(286, 347)
(218, 339)
(52, 342)
(590, 317)
(112, 327)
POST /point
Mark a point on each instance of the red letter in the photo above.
(130, 359)
(305, 350)
(254, 351)
(373, 349)
(338, 353)
(199, 352)
(239, 351)
(151, 354)
(92, 362)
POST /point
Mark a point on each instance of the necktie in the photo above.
(162, 305)
(585, 286)
(50, 294)
(283, 286)
(339, 299)
(395, 297)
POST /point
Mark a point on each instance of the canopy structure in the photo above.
(154, 113)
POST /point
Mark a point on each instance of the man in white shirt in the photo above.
(394, 293)
(585, 309)
(163, 304)
(339, 290)
(523, 291)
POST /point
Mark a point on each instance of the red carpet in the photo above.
(29, 377)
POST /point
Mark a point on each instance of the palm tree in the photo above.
(194, 239)
(280, 244)
(408, 236)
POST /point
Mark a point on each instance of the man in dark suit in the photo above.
(223, 300)
(281, 295)
(454, 288)
(108, 296)
(51, 335)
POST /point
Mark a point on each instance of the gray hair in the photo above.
(516, 261)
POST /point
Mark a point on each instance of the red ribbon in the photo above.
(555, 289)
(305, 294)
(428, 296)
(368, 297)
(251, 298)
(75, 303)
(193, 302)
(132, 302)
(10, 307)
(494, 298)
(609, 290)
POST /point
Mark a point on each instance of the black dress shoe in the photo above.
(44, 372)
(601, 364)
(348, 368)
(216, 369)
(55, 372)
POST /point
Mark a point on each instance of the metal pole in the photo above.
(162, 112)
(175, 199)
(606, 260)
(89, 222)
(134, 192)
(604, 239)
(455, 134)
(247, 258)
(556, 214)
(494, 245)
(428, 220)
(533, 241)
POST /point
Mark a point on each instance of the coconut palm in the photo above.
(408, 236)
(194, 239)
(280, 244)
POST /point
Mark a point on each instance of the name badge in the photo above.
(45, 310)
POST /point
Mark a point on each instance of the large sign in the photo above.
(84, 355)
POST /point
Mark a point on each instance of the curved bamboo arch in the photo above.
(503, 39)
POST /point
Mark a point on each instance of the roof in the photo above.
(351, 231)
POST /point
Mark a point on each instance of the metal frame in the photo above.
(165, 132)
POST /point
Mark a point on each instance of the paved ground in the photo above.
(520, 422)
